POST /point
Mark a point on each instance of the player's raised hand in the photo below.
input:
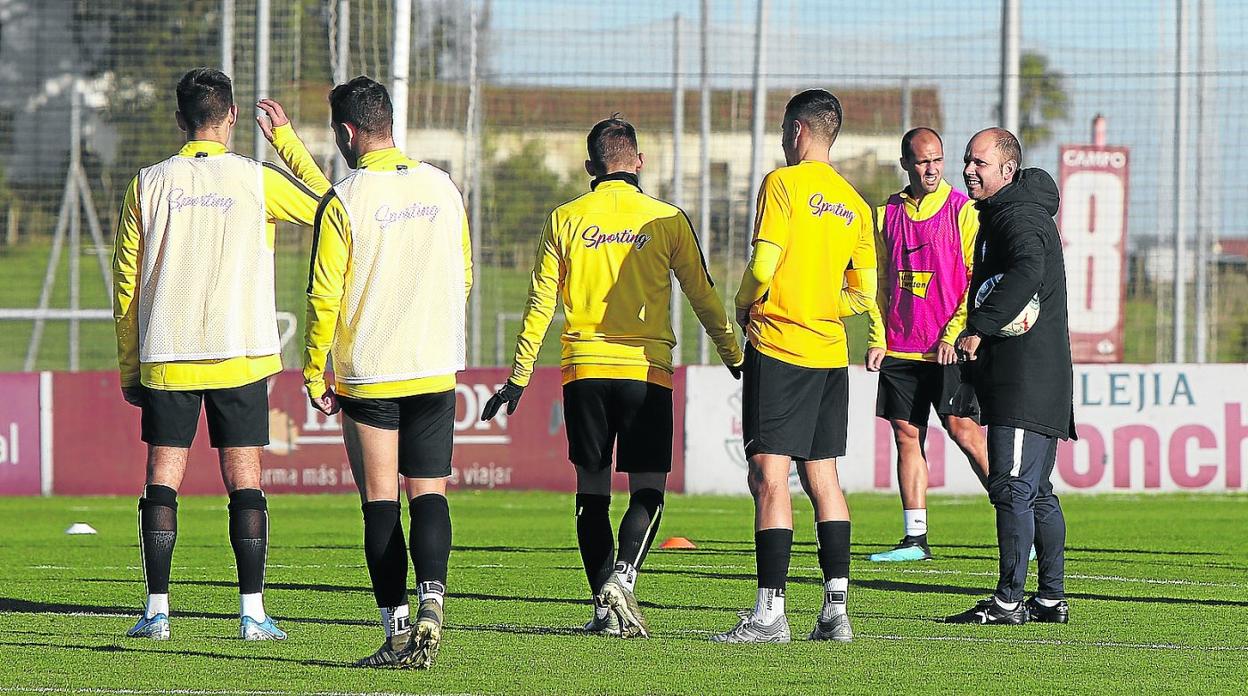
(875, 358)
(946, 354)
(327, 403)
(274, 115)
(507, 394)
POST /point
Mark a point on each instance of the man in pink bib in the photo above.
(925, 239)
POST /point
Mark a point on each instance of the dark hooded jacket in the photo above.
(1022, 381)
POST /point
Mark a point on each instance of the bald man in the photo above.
(1024, 383)
(925, 240)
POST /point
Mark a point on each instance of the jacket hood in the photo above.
(1031, 186)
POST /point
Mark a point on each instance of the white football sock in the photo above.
(915, 521)
(156, 604)
(252, 605)
(600, 612)
(769, 605)
(1045, 602)
(835, 592)
(433, 590)
(627, 574)
(395, 620)
(1009, 606)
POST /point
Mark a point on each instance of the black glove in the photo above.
(508, 394)
(737, 370)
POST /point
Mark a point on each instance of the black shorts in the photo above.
(237, 417)
(801, 412)
(426, 425)
(909, 389)
(636, 415)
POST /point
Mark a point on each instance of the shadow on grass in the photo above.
(24, 606)
(929, 588)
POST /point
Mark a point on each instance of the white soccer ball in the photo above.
(1025, 319)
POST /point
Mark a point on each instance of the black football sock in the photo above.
(249, 535)
(637, 532)
(431, 543)
(833, 543)
(593, 536)
(158, 530)
(385, 552)
(772, 550)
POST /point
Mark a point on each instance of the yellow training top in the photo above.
(918, 211)
(825, 269)
(285, 199)
(608, 257)
(329, 316)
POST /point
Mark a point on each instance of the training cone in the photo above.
(80, 528)
(677, 543)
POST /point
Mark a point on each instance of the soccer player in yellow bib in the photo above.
(608, 257)
(813, 263)
(195, 312)
(390, 276)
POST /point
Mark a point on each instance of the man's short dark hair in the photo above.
(205, 96)
(611, 142)
(819, 109)
(365, 104)
(907, 141)
(1008, 145)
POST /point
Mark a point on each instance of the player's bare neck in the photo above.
(374, 144)
(214, 135)
(817, 152)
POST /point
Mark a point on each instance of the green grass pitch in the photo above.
(1158, 588)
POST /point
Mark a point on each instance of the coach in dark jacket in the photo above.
(1023, 382)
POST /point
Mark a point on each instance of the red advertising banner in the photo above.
(1093, 221)
(19, 434)
(97, 450)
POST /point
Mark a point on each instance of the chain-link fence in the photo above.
(501, 94)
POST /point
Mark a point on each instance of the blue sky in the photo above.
(1115, 54)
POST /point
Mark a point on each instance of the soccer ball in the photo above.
(1025, 319)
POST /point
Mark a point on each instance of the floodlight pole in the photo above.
(471, 179)
(678, 189)
(75, 218)
(1180, 180)
(1011, 32)
(227, 37)
(342, 51)
(262, 70)
(760, 114)
(704, 168)
(1206, 137)
(400, 68)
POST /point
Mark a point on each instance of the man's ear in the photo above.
(182, 125)
(232, 117)
(590, 169)
(349, 133)
(641, 161)
(1009, 170)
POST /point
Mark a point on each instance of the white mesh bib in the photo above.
(403, 308)
(206, 284)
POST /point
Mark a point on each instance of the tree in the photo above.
(1042, 99)
(517, 194)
